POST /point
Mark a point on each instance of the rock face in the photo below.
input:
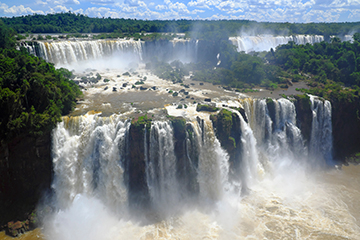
(186, 164)
(138, 191)
(346, 127)
(26, 172)
(304, 115)
(15, 229)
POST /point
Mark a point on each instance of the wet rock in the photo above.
(125, 84)
(187, 96)
(15, 229)
(114, 89)
(143, 88)
(106, 88)
(153, 88)
(207, 99)
(186, 93)
(186, 86)
(192, 84)
(182, 90)
(201, 84)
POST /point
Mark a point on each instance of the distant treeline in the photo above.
(78, 23)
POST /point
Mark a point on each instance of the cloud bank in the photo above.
(300, 11)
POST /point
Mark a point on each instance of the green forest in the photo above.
(33, 94)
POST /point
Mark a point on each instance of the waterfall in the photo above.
(161, 167)
(91, 156)
(29, 47)
(69, 52)
(266, 42)
(320, 146)
(88, 156)
(213, 163)
(250, 165)
(278, 135)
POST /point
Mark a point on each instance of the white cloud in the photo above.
(135, 3)
(39, 2)
(161, 7)
(177, 7)
(61, 8)
(102, 2)
(259, 10)
(199, 4)
(97, 12)
(60, 2)
(218, 17)
(5, 10)
(354, 14)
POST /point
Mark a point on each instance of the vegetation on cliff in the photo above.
(206, 108)
(33, 94)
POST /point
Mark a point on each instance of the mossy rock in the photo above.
(142, 121)
(206, 108)
(179, 125)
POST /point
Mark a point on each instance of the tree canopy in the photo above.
(33, 94)
(77, 23)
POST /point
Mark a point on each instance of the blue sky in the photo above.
(263, 10)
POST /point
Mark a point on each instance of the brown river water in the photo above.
(321, 206)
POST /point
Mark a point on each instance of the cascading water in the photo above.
(71, 53)
(67, 52)
(321, 132)
(161, 167)
(88, 158)
(213, 163)
(266, 42)
(90, 155)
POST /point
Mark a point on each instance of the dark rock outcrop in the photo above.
(304, 115)
(135, 166)
(186, 164)
(346, 127)
(26, 172)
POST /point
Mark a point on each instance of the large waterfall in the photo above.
(175, 179)
(266, 42)
(70, 53)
